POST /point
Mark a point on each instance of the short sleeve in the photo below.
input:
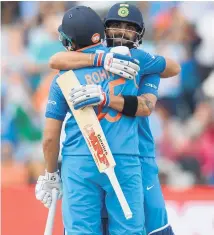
(152, 64)
(57, 106)
(149, 84)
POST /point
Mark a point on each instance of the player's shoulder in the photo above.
(60, 72)
(153, 76)
(103, 48)
(95, 49)
(138, 51)
(54, 81)
(142, 55)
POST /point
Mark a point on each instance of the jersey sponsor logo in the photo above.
(95, 38)
(95, 141)
(151, 85)
(52, 102)
(148, 188)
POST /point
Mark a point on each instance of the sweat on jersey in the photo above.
(121, 131)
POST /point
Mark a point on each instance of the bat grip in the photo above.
(116, 186)
(51, 213)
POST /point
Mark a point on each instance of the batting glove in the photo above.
(121, 65)
(44, 186)
(88, 95)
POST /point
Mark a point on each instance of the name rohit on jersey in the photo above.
(97, 77)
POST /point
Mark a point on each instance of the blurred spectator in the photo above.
(13, 173)
(204, 53)
(9, 12)
(43, 43)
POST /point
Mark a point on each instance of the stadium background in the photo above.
(182, 124)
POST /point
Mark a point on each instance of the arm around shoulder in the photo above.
(67, 60)
(172, 69)
(134, 105)
(146, 105)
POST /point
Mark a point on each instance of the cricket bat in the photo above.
(51, 213)
(95, 138)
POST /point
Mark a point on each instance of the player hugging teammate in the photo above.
(123, 103)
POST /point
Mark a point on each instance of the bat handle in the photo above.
(51, 213)
(116, 186)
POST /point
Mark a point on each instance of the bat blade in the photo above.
(88, 124)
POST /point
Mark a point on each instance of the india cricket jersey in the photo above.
(121, 131)
(149, 84)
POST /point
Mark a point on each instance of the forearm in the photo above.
(71, 60)
(116, 102)
(51, 143)
(144, 107)
(172, 69)
(51, 152)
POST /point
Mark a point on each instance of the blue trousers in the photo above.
(85, 189)
(154, 204)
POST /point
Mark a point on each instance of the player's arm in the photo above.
(51, 178)
(51, 143)
(71, 60)
(132, 106)
(141, 105)
(155, 64)
(172, 69)
(92, 95)
(56, 110)
(122, 65)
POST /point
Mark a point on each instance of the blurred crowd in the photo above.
(183, 122)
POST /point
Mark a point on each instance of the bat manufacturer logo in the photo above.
(97, 144)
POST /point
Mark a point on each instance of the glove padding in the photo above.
(88, 95)
(44, 186)
(122, 65)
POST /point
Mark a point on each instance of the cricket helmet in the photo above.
(126, 13)
(82, 26)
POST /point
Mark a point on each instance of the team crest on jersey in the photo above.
(123, 12)
(95, 38)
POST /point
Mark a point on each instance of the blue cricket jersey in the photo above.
(149, 84)
(121, 131)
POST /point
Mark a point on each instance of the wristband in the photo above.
(130, 105)
(98, 59)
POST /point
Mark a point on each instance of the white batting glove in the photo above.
(88, 95)
(44, 186)
(122, 65)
